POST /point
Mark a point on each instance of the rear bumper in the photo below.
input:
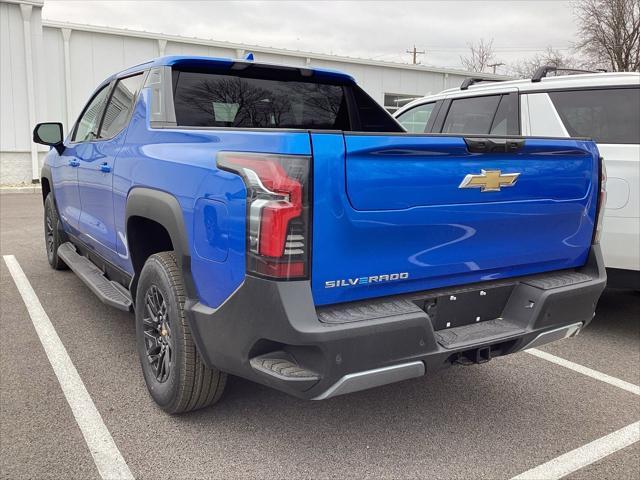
(271, 332)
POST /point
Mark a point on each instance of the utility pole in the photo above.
(494, 65)
(415, 52)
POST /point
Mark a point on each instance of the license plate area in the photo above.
(470, 306)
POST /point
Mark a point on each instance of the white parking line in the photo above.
(583, 456)
(603, 377)
(105, 453)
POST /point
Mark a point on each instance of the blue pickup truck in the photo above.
(276, 223)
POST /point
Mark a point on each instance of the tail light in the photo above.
(602, 200)
(277, 211)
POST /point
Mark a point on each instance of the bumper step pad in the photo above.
(483, 332)
(109, 292)
(366, 310)
(557, 280)
(283, 366)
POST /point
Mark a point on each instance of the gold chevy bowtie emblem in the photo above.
(489, 180)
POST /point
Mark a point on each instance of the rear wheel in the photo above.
(54, 236)
(175, 375)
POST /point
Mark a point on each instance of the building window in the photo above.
(393, 101)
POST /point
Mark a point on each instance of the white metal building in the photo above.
(49, 69)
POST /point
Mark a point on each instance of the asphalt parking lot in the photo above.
(494, 421)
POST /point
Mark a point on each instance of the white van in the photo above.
(602, 106)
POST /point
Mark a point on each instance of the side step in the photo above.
(108, 292)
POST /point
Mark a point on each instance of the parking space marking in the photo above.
(106, 455)
(603, 377)
(583, 456)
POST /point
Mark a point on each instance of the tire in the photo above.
(177, 378)
(54, 235)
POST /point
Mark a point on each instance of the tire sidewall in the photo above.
(50, 210)
(164, 393)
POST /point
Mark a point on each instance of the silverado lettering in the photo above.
(366, 280)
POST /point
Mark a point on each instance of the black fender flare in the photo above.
(45, 172)
(163, 208)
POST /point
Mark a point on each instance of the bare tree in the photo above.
(481, 55)
(609, 33)
(550, 56)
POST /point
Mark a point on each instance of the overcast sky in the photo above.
(381, 30)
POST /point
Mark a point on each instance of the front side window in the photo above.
(416, 119)
(89, 122)
(472, 115)
(607, 116)
(120, 105)
(204, 99)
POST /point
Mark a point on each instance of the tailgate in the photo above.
(403, 213)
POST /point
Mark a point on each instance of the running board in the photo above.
(109, 292)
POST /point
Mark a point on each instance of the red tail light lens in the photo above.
(277, 211)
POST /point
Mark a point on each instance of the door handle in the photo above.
(105, 167)
(74, 163)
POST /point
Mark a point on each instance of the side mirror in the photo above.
(49, 133)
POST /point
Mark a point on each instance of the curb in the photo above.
(22, 189)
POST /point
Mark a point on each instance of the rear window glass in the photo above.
(208, 99)
(607, 116)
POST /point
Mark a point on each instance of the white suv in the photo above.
(602, 106)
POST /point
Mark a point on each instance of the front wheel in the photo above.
(175, 375)
(53, 234)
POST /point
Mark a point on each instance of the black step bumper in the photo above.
(344, 348)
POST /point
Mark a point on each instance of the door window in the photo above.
(507, 121)
(607, 116)
(472, 115)
(416, 119)
(120, 105)
(88, 123)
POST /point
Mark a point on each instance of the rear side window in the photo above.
(494, 114)
(416, 119)
(607, 116)
(120, 105)
(209, 99)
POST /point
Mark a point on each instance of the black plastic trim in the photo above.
(265, 316)
(621, 278)
(164, 209)
(45, 172)
(541, 72)
(473, 80)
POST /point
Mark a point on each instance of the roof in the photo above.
(526, 85)
(195, 61)
(310, 56)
